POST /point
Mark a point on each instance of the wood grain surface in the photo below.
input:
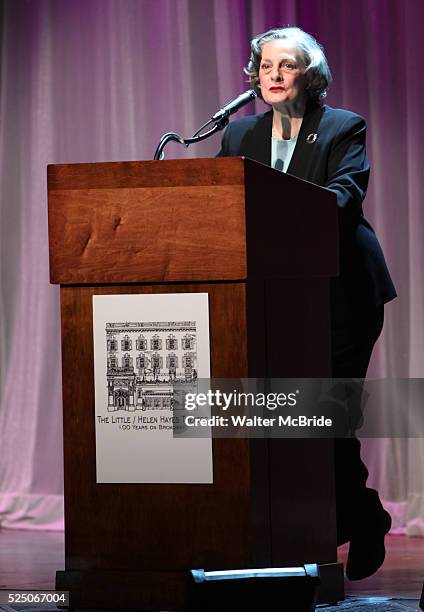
(147, 222)
(153, 526)
(196, 226)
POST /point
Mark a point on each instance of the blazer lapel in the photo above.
(258, 143)
(305, 145)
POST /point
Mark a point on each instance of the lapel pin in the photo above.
(311, 138)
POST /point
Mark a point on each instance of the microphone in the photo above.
(220, 119)
(234, 105)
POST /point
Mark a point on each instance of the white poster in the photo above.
(143, 345)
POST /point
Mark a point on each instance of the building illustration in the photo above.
(145, 360)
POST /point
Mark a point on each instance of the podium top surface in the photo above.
(189, 220)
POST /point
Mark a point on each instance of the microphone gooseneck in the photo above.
(219, 119)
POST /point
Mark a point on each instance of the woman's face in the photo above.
(281, 73)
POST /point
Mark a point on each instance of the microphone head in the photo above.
(234, 105)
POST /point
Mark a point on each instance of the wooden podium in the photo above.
(263, 245)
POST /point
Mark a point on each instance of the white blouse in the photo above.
(281, 153)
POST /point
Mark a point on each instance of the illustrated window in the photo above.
(126, 343)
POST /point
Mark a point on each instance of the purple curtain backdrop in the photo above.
(86, 81)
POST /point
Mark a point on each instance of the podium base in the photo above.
(157, 590)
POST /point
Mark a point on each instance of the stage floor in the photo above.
(29, 560)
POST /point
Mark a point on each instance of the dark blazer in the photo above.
(335, 160)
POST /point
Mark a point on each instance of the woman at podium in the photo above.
(304, 137)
